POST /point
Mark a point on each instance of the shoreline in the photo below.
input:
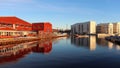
(6, 41)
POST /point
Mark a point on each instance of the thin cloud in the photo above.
(41, 6)
(9, 4)
(14, 1)
(68, 9)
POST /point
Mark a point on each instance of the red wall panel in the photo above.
(44, 26)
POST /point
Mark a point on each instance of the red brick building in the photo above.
(14, 26)
(42, 26)
(11, 26)
(43, 29)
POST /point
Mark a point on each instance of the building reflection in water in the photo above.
(104, 43)
(12, 53)
(118, 47)
(89, 42)
(110, 45)
(43, 47)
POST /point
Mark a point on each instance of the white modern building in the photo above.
(84, 28)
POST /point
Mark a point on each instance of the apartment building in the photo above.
(116, 28)
(106, 28)
(109, 28)
(84, 28)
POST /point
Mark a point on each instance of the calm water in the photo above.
(64, 52)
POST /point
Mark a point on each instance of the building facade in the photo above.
(84, 28)
(42, 26)
(14, 26)
(108, 28)
(43, 29)
(116, 28)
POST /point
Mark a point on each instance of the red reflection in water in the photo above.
(14, 57)
(43, 47)
(13, 53)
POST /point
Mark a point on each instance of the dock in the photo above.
(114, 39)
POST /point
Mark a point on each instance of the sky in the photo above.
(62, 13)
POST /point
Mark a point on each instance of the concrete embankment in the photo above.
(104, 35)
(6, 41)
(52, 35)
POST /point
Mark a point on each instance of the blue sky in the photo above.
(62, 12)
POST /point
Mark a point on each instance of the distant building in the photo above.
(14, 26)
(106, 28)
(84, 28)
(116, 28)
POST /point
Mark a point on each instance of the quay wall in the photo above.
(104, 35)
(6, 41)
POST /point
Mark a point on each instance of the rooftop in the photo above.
(13, 20)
